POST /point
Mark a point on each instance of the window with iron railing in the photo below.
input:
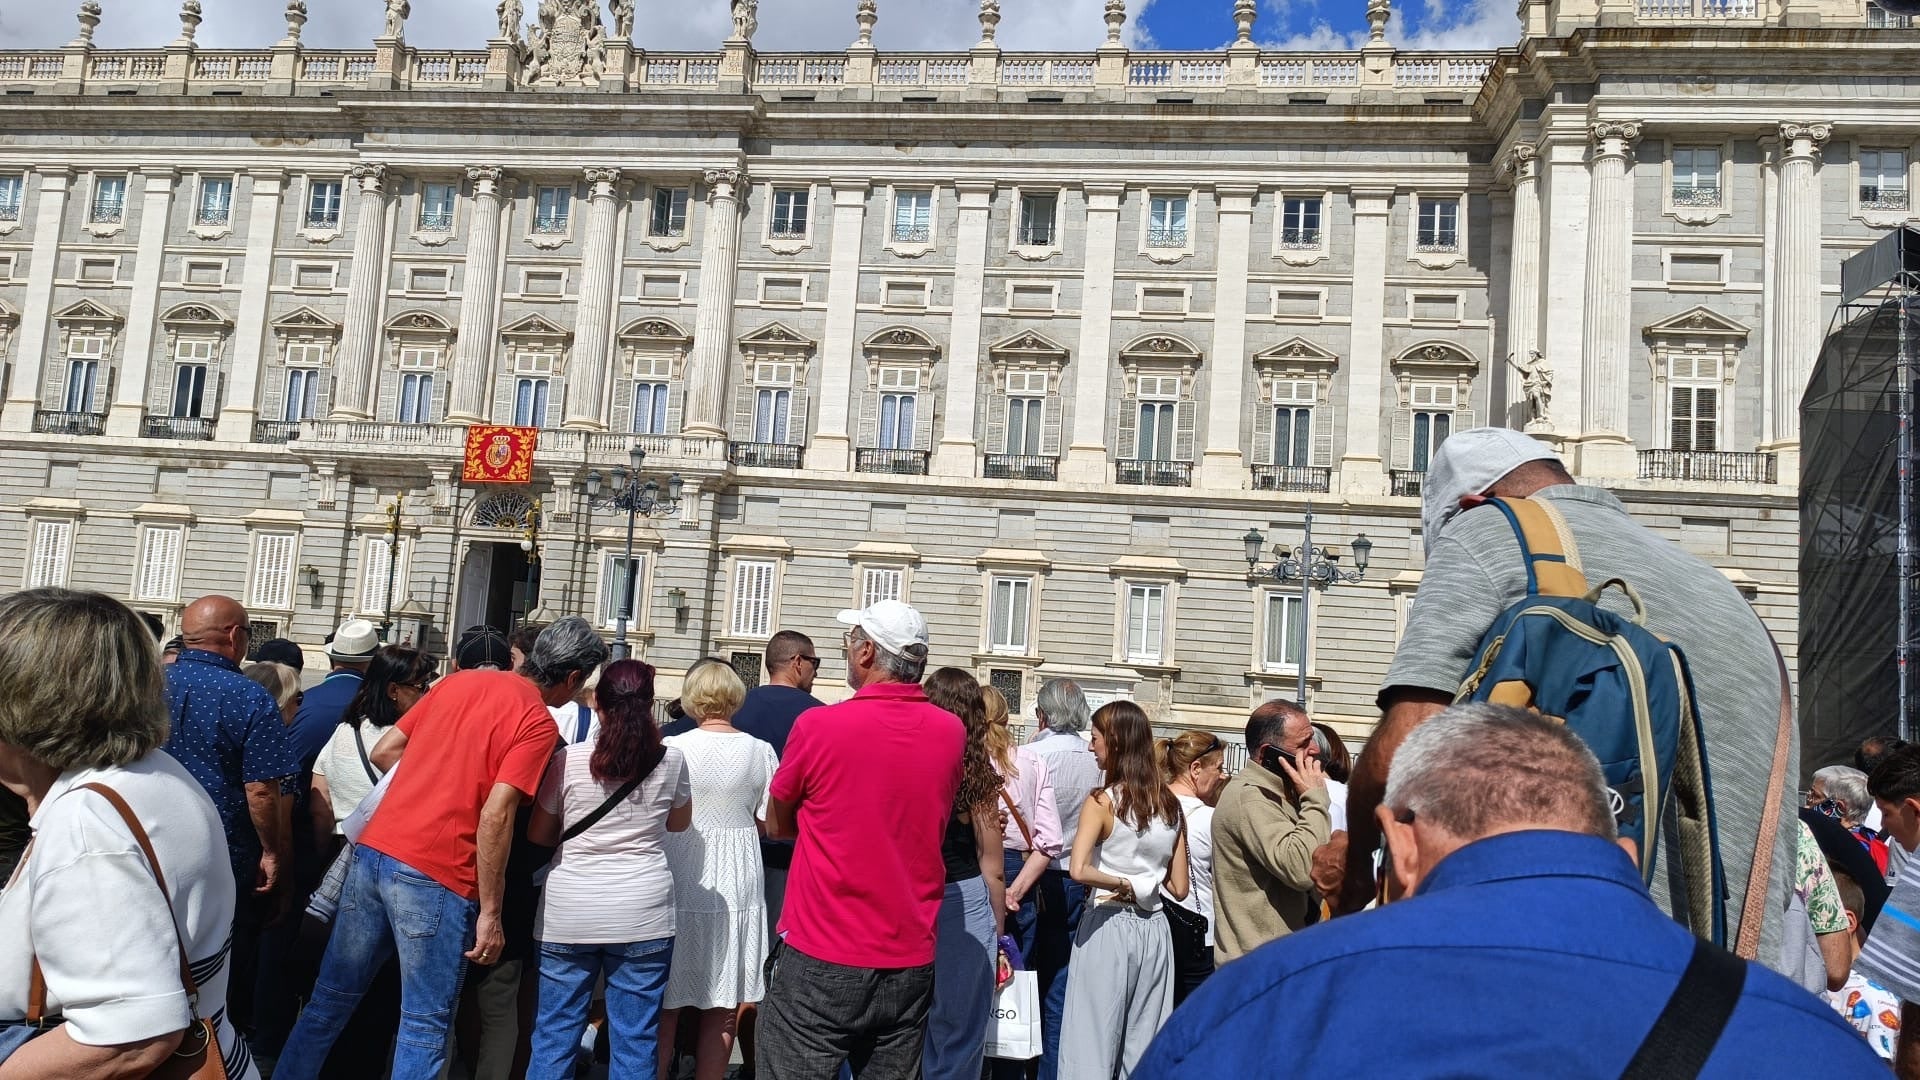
(436, 207)
(323, 204)
(912, 217)
(1300, 223)
(1883, 180)
(1439, 225)
(109, 200)
(1696, 176)
(216, 202)
(789, 213)
(669, 212)
(12, 188)
(553, 208)
(1167, 221)
(1037, 216)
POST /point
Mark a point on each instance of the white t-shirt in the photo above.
(611, 884)
(567, 719)
(87, 905)
(1337, 804)
(1199, 860)
(339, 762)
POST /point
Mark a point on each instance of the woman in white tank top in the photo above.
(1130, 844)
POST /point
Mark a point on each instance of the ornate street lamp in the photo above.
(393, 567)
(627, 492)
(1309, 566)
(530, 543)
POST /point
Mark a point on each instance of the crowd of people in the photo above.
(517, 868)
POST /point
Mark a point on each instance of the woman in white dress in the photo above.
(1194, 763)
(719, 896)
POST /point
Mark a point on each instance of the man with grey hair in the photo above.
(1523, 905)
(1271, 817)
(1060, 714)
(429, 871)
(865, 789)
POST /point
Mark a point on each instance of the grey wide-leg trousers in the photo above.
(1119, 991)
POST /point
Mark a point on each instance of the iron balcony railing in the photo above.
(1406, 482)
(1302, 239)
(214, 216)
(106, 214)
(1021, 467)
(1161, 236)
(1291, 478)
(1036, 235)
(1711, 466)
(179, 427)
(756, 455)
(903, 462)
(912, 234)
(1696, 195)
(69, 423)
(10, 211)
(275, 431)
(436, 221)
(1151, 473)
(324, 221)
(550, 226)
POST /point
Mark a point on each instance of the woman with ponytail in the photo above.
(1194, 764)
(1131, 843)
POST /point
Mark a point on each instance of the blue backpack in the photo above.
(1624, 691)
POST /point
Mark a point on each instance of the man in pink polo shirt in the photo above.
(865, 788)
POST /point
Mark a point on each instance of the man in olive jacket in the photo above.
(1271, 817)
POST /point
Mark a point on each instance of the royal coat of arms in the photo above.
(568, 44)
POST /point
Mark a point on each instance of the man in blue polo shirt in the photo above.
(1528, 946)
(324, 706)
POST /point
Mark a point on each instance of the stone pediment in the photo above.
(1296, 352)
(1157, 347)
(901, 339)
(533, 326)
(420, 322)
(199, 316)
(305, 321)
(776, 336)
(86, 311)
(1028, 345)
(1438, 355)
(655, 329)
(1698, 322)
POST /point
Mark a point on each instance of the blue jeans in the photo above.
(1021, 924)
(636, 980)
(964, 963)
(387, 907)
(1061, 899)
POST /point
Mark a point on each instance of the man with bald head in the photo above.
(228, 732)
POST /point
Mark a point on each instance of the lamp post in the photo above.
(638, 499)
(393, 567)
(530, 543)
(1309, 566)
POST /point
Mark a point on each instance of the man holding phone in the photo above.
(1272, 816)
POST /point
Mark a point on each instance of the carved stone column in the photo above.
(1087, 454)
(1523, 274)
(957, 455)
(251, 340)
(1606, 448)
(473, 349)
(831, 448)
(36, 309)
(593, 324)
(1362, 470)
(1224, 465)
(360, 331)
(143, 305)
(706, 376)
(1796, 326)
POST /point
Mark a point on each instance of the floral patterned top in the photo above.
(1813, 883)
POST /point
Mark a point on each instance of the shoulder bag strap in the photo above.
(613, 800)
(1753, 912)
(153, 861)
(1018, 819)
(1546, 546)
(1687, 1030)
(365, 761)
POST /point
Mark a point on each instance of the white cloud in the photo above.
(1477, 24)
(673, 25)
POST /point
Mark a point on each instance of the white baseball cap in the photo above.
(1467, 464)
(892, 625)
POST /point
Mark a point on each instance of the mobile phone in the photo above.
(1270, 756)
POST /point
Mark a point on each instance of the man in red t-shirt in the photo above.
(428, 872)
(865, 788)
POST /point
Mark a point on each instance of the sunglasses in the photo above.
(809, 658)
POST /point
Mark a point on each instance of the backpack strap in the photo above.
(1546, 547)
(1687, 1030)
(1753, 912)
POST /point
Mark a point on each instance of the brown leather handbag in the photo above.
(198, 1057)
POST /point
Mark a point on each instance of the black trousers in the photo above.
(817, 1015)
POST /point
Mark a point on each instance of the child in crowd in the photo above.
(1869, 1007)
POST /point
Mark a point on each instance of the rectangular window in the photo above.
(1300, 223)
(1430, 429)
(216, 201)
(302, 399)
(416, 399)
(896, 420)
(618, 579)
(530, 402)
(1158, 407)
(1037, 214)
(1010, 601)
(323, 204)
(1146, 622)
(109, 200)
(83, 377)
(1025, 417)
(306, 354)
(12, 188)
(753, 598)
(272, 571)
(669, 212)
(770, 415)
(1696, 176)
(1883, 180)
(415, 358)
(189, 387)
(553, 206)
(650, 408)
(879, 583)
(379, 576)
(52, 553)
(1284, 643)
(1292, 435)
(436, 207)
(789, 213)
(1439, 225)
(1696, 418)
(912, 217)
(159, 574)
(1167, 221)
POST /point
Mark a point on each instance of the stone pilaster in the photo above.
(1796, 327)
(473, 349)
(831, 447)
(1223, 465)
(136, 348)
(36, 308)
(250, 337)
(1087, 454)
(958, 453)
(706, 377)
(1522, 165)
(1606, 447)
(593, 324)
(360, 331)
(1362, 470)
(1565, 187)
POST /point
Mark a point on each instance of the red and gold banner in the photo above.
(499, 455)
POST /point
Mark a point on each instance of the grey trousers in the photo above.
(1119, 992)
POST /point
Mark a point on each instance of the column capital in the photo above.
(854, 187)
(723, 183)
(1372, 200)
(1803, 140)
(486, 179)
(975, 187)
(603, 181)
(164, 173)
(267, 180)
(1521, 163)
(1242, 195)
(1613, 138)
(371, 174)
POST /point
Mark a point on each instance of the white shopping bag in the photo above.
(1014, 1033)
(363, 813)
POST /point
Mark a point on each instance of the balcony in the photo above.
(214, 216)
(69, 423)
(1149, 473)
(9, 211)
(1872, 197)
(1021, 467)
(757, 455)
(1292, 478)
(912, 234)
(550, 226)
(436, 221)
(1696, 195)
(1406, 483)
(1162, 236)
(1708, 466)
(327, 221)
(901, 462)
(1300, 239)
(178, 427)
(276, 431)
(106, 214)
